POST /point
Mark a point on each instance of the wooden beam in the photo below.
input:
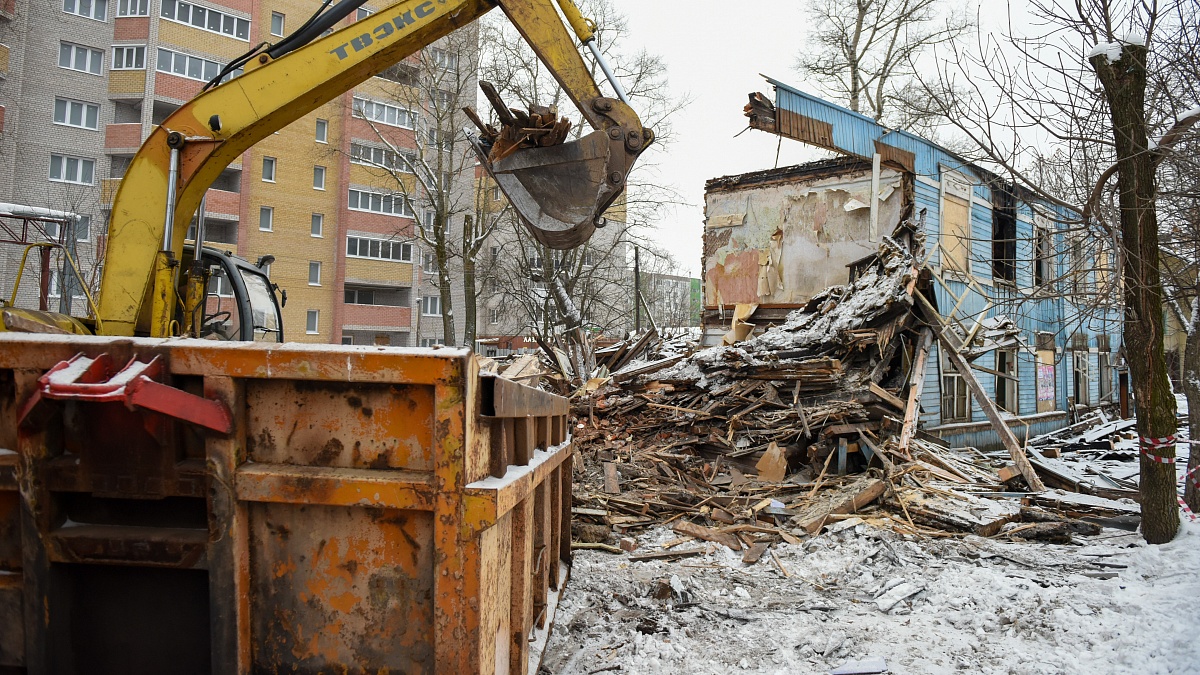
(916, 383)
(950, 344)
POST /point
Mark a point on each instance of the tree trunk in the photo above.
(443, 260)
(1125, 88)
(1191, 389)
(470, 321)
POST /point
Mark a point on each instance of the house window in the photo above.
(88, 9)
(318, 225)
(83, 228)
(955, 402)
(1006, 382)
(494, 316)
(311, 321)
(1004, 235)
(378, 249)
(1080, 377)
(318, 178)
(402, 160)
(1043, 255)
(78, 57)
(1079, 268)
(384, 114)
(191, 67)
(67, 169)
(495, 255)
(956, 223)
(322, 131)
(277, 24)
(1104, 376)
(314, 273)
(76, 114)
(432, 342)
(206, 19)
(266, 218)
(129, 58)
(133, 7)
(268, 173)
(431, 305)
(379, 202)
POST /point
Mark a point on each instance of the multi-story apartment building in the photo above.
(334, 197)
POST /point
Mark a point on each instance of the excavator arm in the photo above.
(166, 180)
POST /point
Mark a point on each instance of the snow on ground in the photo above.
(966, 604)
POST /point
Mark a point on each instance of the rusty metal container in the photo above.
(247, 508)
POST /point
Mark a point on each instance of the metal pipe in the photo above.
(168, 239)
(200, 229)
(612, 79)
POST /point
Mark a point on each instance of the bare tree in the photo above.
(1084, 87)
(864, 52)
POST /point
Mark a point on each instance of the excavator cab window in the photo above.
(240, 301)
(222, 320)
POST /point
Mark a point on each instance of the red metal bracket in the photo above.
(136, 385)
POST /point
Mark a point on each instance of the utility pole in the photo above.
(637, 291)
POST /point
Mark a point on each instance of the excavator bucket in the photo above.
(559, 188)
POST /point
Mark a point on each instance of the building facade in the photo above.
(335, 197)
(1005, 263)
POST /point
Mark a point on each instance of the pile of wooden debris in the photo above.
(811, 423)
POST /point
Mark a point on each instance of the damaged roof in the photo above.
(819, 169)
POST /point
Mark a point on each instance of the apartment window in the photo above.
(444, 59)
(390, 297)
(1004, 234)
(78, 57)
(129, 58)
(1080, 377)
(495, 255)
(956, 223)
(314, 273)
(347, 339)
(318, 225)
(496, 194)
(494, 316)
(1043, 255)
(133, 7)
(318, 178)
(432, 342)
(431, 305)
(268, 173)
(360, 296)
(277, 24)
(362, 13)
(387, 158)
(1006, 381)
(67, 169)
(219, 286)
(378, 249)
(191, 67)
(322, 131)
(955, 402)
(311, 321)
(89, 9)
(438, 138)
(429, 262)
(379, 202)
(206, 19)
(76, 114)
(384, 114)
(266, 218)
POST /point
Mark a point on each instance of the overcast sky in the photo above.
(715, 51)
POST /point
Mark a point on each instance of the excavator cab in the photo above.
(240, 302)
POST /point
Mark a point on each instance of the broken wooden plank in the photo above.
(772, 467)
(755, 552)
(612, 481)
(708, 534)
(912, 409)
(667, 555)
(886, 395)
(869, 492)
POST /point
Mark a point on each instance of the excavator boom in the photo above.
(174, 167)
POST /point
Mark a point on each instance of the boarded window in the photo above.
(956, 224)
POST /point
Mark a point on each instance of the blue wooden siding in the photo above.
(856, 134)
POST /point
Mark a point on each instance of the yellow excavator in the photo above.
(560, 192)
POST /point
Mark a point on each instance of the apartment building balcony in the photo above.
(220, 204)
(126, 84)
(377, 316)
(3, 60)
(122, 139)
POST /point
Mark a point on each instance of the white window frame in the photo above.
(443, 59)
(377, 111)
(282, 23)
(406, 249)
(274, 164)
(68, 105)
(83, 229)
(1081, 373)
(431, 305)
(494, 316)
(314, 272)
(133, 7)
(63, 164)
(100, 7)
(432, 342)
(172, 9)
(355, 196)
(95, 57)
(949, 376)
(118, 63)
(170, 58)
(317, 228)
(387, 158)
(322, 131)
(319, 178)
(269, 212)
(312, 322)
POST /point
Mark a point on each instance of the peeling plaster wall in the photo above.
(817, 236)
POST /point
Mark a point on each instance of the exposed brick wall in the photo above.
(377, 315)
(122, 135)
(131, 28)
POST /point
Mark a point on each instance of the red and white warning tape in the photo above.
(1149, 444)
(1183, 505)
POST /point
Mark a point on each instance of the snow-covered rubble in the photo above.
(976, 605)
